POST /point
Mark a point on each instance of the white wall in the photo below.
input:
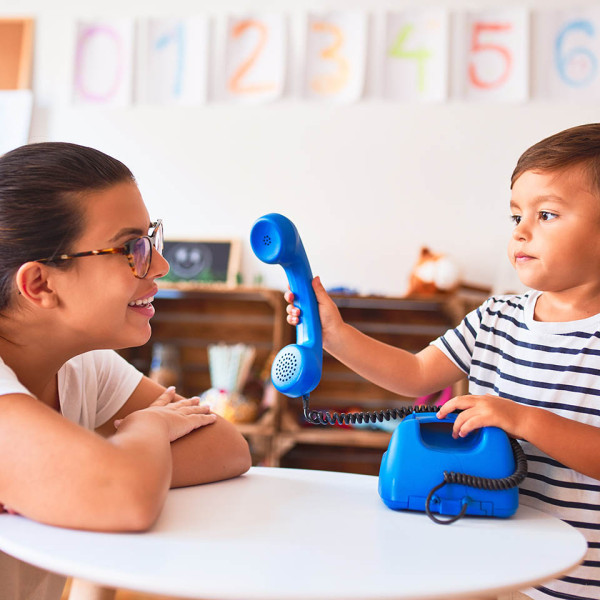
(366, 184)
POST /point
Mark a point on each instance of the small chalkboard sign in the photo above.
(198, 261)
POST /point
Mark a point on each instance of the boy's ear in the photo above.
(33, 284)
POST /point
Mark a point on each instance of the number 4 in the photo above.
(421, 55)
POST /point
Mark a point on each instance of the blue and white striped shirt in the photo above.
(554, 366)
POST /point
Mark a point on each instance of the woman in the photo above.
(87, 441)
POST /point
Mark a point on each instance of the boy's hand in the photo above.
(328, 311)
(483, 411)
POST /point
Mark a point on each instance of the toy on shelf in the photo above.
(229, 371)
(433, 274)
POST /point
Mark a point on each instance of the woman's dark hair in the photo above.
(40, 216)
(575, 147)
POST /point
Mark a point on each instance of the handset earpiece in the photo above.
(296, 370)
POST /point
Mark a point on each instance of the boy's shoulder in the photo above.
(509, 302)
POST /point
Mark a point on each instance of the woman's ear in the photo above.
(33, 285)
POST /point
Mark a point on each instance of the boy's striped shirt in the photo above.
(554, 366)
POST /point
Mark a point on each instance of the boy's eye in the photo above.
(516, 219)
(547, 216)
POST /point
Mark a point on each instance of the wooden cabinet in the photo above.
(193, 318)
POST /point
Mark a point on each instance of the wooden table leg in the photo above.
(85, 590)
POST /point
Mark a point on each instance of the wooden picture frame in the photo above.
(202, 262)
(16, 53)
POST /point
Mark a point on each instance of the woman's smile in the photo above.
(143, 305)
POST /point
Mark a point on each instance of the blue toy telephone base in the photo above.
(422, 449)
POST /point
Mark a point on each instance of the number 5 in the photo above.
(477, 46)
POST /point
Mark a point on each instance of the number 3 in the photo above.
(330, 84)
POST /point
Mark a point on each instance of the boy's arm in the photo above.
(394, 369)
(221, 453)
(389, 367)
(574, 444)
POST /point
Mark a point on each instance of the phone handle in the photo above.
(296, 370)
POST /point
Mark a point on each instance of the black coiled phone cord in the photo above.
(320, 417)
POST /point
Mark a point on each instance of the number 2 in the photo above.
(236, 85)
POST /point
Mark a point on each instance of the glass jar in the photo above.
(165, 367)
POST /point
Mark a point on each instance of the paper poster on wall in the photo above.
(255, 57)
(495, 46)
(172, 66)
(15, 118)
(567, 51)
(336, 51)
(416, 55)
(103, 62)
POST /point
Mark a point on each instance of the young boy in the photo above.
(533, 360)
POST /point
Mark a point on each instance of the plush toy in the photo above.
(433, 274)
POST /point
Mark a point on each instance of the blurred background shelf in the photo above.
(195, 317)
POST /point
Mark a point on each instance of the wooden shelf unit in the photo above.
(193, 317)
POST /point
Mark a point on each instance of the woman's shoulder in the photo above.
(96, 360)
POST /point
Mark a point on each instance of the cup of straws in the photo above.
(229, 367)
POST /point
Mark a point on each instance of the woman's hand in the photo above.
(484, 411)
(181, 415)
(331, 320)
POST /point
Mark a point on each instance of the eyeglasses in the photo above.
(138, 251)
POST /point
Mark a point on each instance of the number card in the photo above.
(416, 56)
(567, 53)
(336, 49)
(496, 50)
(173, 61)
(103, 62)
(255, 57)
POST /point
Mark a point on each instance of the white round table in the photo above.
(287, 534)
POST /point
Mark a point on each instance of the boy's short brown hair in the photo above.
(577, 146)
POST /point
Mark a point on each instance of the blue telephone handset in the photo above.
(296, 370)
